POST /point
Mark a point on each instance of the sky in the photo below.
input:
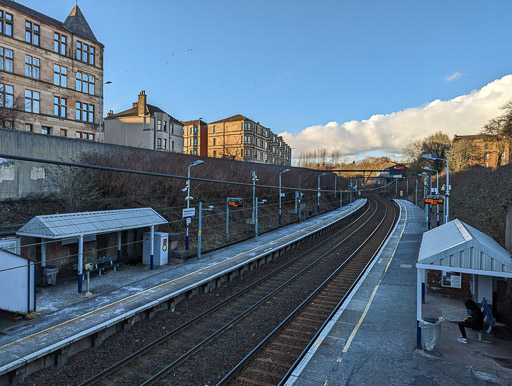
(365, 77)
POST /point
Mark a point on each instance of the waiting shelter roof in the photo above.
(58, 226)
(458, 247)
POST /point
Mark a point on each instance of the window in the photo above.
(46, 130)
(32, 68)
(502, 155)
(195, 141)
(60, 107)
(63, 132)
(195, 152)
(32, 33)
(90, 137)
(164, 144)
(165, 127)
(6, 95)
(195, 130)
(190, 141)
(84, 112)
(84, 83)
(159, 143)
(214, 141)
(60, 75)
(5, 23)
(486, 146)
(214, 129)
(159, 124)
(6, 60)
(59, 43)
(486, 156)
(32, 101)
(85, 53)
(215, 153)
(172, 144)
(28, 127)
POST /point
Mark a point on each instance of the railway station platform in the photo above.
(69, 323)
(372, 338)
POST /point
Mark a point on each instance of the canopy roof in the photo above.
(58, 226)
(458, 247)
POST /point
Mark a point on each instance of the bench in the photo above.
(488, 319)
(100, 264)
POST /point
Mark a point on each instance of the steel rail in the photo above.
(251, 309)
(228, 377)
(125, 361)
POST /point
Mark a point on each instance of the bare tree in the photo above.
(461, 154)
(11, 108)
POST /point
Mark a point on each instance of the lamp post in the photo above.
(428, 188)
(280, 195)
(318, 195)
(254, 179)
(188, 198)
(434, 157)
(300, 195)
(101, 107)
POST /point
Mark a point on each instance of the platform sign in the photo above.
(237, 202)
(189, 212)
(434, 201)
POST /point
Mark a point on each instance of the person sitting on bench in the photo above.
(475, 320)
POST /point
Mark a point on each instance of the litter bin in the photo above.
(431, 334)
(50, 274)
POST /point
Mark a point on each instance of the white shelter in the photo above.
(17, 283)
(78, 225)
(459, 248)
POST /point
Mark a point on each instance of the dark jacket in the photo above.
(476, 317)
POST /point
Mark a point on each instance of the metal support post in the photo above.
(199, 230)
(151, 247)
(118, 247)
(256, 220)
(80, 262)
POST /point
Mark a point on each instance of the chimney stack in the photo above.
(142, 103)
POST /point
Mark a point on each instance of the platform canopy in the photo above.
(458, 247)
(59, 226)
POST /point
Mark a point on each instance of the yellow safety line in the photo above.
(356, 328)
(137, 294)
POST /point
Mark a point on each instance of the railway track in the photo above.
(205, 348)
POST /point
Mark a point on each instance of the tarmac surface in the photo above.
(373, 339)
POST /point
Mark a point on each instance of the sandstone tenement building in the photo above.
(240, 138)
(51, 73)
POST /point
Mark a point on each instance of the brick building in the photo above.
(145, 126)
(240, 138)
(51, 73)
(486, 150)
(195, 137)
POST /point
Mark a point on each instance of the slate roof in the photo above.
(75, 22)
(234, 118)
(134, 112)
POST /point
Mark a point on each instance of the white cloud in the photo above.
(454, 76)
(390, 133)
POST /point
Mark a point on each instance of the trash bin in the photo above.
(50, 274)
(431, 334)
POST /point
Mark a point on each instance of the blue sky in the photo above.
(293, 65)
